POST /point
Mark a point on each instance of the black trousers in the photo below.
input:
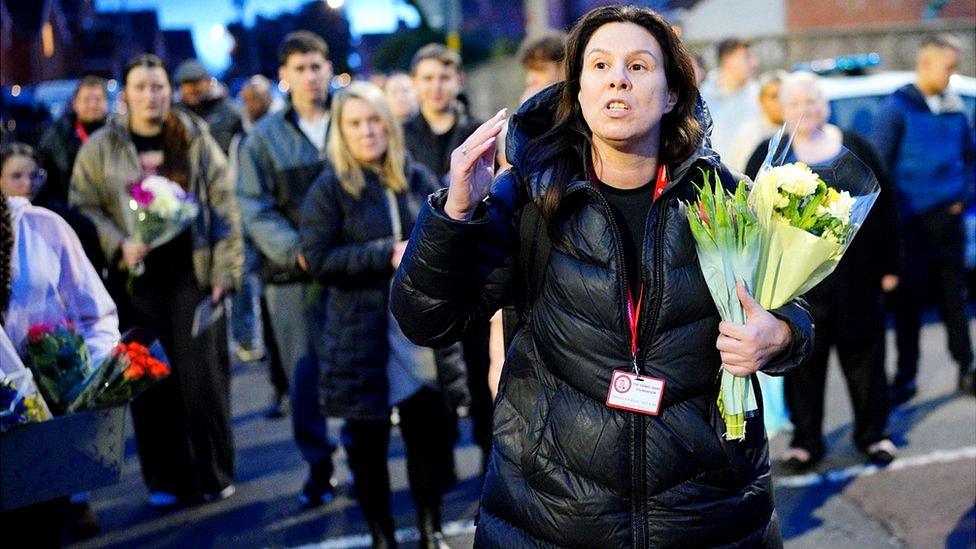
(423, 417)
(182, 425)
(476, 359)
(933, 261)
(862, 359)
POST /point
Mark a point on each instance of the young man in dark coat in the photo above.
(442, 124)
(56, 155)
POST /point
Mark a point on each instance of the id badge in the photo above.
(634, 393)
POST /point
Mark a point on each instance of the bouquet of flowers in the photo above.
(20, 404)
(136, 363)
(161, 210)
(58, 358)
(781, 238)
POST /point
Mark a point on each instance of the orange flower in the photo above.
(133, 372)
(158, 368)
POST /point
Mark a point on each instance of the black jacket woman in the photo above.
(568, 467)
(847, 305)
(353, 222)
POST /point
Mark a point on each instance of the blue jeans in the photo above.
(245, 321)
(297, 311)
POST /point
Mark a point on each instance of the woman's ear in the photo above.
(672, 101)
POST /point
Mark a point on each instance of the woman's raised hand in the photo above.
(473, 169)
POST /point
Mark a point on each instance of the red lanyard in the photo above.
(634, 309)
(662, 182)
(81, 133)
(633, 315)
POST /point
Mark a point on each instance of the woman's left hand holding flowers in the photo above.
(746, 348)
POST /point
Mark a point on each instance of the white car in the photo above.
(856, 100)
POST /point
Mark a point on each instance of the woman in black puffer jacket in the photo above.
(353, 216)
(605, 161)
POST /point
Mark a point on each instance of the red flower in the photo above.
(157, 368)
(38, 332)
(704, 216)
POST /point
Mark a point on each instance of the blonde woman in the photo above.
(355, 219)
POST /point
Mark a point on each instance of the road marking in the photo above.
(403, 535)
(840, 475)
(458, 528)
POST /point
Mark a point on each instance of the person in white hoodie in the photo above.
(45, 276)
(50, 278)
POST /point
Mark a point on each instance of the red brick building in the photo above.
(838, 14)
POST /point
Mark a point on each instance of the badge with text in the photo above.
(634, 393)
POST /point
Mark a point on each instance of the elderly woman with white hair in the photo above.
(847, 306)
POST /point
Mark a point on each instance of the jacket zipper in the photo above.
(637, 420)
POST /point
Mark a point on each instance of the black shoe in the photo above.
(83, 524)
(280, 407)
(902, 392)
(799, 460)
(429, 524)
(881, 453)
(382, 533)
(319, 489)
(967, 380)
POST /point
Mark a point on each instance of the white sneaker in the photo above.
(227, 492)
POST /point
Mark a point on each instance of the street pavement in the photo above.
(925, 499)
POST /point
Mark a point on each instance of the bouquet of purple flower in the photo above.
(161, 210)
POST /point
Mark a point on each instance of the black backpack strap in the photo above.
(532, 261)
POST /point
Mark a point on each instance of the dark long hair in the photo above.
(176, 137)
(563, 146)
(6, 256)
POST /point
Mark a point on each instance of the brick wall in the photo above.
(816, 14)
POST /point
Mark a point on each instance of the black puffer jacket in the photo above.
(566, 470)
(348, 244)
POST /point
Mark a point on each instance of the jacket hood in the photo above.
(537, 115)
(17, 205)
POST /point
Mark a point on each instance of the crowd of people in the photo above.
(508, 244)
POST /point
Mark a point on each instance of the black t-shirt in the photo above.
(442, 142)
(630, 208)
(151, 143)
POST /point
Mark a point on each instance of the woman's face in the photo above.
(804, 107)
(363, 131)
(19, 176)
(623, 89)
(401, 96)
(148, 93)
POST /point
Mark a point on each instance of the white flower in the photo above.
(782, 201)
(795, 178)
(162, 187)
(166, 206)
(841, 207)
